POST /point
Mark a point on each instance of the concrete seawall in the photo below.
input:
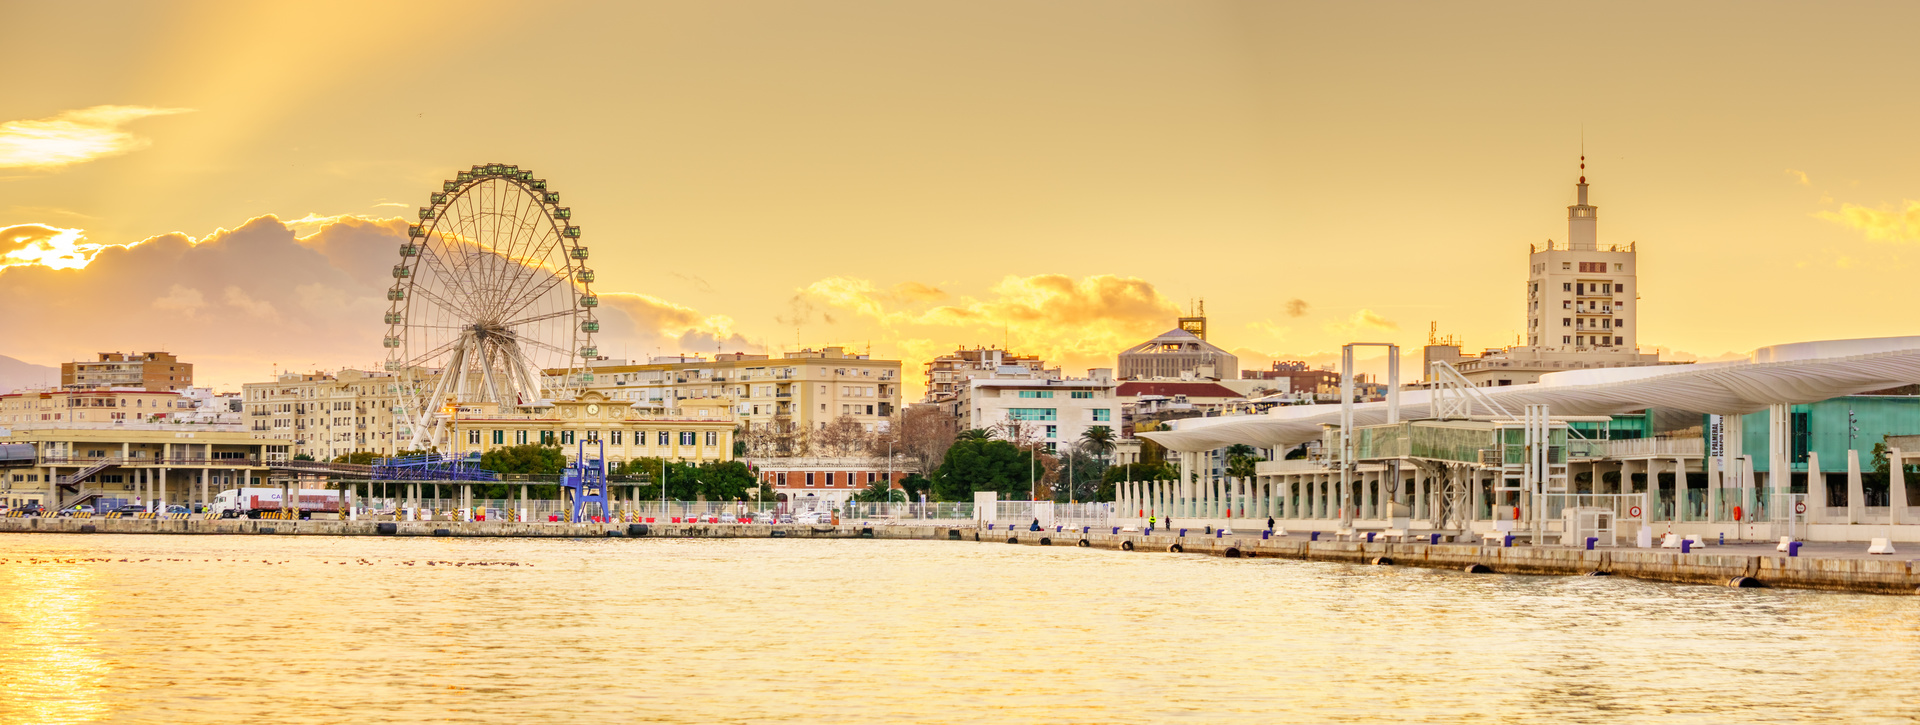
(1879, 576)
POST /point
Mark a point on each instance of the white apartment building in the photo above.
(1052, 411)
(324, 415)
(806, 389)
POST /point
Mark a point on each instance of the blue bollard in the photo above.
(1369, 537)
(1217, 533)
(1507, 541)
(1433, 539)
(989, 527)
(1793, 548)
(1313, 536)
(1591, 540)
(1268, 534)
(1723, 538)
(1686, 546)
(1116, 531)
(1086, 529)
(1148, 532)
(1183, 533)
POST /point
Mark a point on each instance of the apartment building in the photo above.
(111, 406)
(805, 390)
(1049, 411)
(75, 456)
(948, 373)
(144, 370)
(325, 415)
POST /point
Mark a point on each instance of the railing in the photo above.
(1655, 447)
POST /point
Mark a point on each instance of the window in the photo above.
(1566, 286)
(872, 477)
(1102, 415)
(1036, 393)
(615, 437)
(713, 438)
(1565, 339)
(1619, 323)
(546, 437)
(473, 437)
(1083, 394)
(519, 438)
(1032, 413)
(661, 438)
(566, 437)
(687, 438)
(1566, 265)
(809, 478)
(499, 437)
(1566, 322)
(1053, 431)
(1619, 341)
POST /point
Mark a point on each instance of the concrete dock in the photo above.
(1834, 567)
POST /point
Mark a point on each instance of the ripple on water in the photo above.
(296, 630)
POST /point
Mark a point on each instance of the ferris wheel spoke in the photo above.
(537, 318)
(442, 269)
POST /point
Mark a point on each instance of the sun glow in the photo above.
(74, 136)
(46, 246)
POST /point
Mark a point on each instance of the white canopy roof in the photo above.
(1803, 372)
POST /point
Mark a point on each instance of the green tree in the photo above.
(1098, 441)
(524, 459)
(915, 484)
(302, 457)
(362, 458)
(880, 492)
(976, 464)
(724, 480)
(974, 434)
(1080, 474)
(1241, 459)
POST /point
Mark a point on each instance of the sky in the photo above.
(227, 180)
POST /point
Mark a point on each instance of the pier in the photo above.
(1834, 567)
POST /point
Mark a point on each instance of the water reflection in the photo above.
(51, 670)
(289, 629)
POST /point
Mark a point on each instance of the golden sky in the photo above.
(912, 176)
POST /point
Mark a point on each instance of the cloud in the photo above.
(1070, 322)
(74, 136)
(1297, 307)
(1883, 224)
(1800, 176)
(391, 203)
(237, 301)
(45, 245)
(1361, 321)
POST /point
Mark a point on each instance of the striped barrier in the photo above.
(113, 514)
(147, 515)
(178, 516)
(16, 514)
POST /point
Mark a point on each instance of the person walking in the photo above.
(1269, 523)
(1150, 520)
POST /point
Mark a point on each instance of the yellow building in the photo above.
(325, 415)
(626, 433)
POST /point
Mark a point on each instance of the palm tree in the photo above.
(1240, 460)
(974, 434)
(1098, 440)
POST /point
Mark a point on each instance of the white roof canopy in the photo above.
(1804, 372)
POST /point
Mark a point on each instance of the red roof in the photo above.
(1193, 389)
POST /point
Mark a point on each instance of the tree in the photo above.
(724, 480)
(361, 458)
(921, 435)
(1098, 440)
(1241, 459)
(524, 459)
(880, 492)
(302, 457)
(844, 436)
(915, 484)
(1079, 476)
(982, 465)
(972, 434)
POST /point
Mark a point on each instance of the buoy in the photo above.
(1176, 549)
(1478, 569)
(1383, 561)
(1045, 541)
(1232, 553)
(1013, 540)
(1085, 543)
(1745, 582)
(1126, 546)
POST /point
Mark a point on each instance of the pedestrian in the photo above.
(1150, 520)
(1269, 523)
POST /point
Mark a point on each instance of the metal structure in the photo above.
(431, 467)
(1347, 460)
(585, 481)
(491, 289)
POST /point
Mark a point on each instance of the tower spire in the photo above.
(1582, 218)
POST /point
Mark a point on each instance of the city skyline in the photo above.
(1065, 184)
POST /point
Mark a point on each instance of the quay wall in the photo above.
(1881, 576)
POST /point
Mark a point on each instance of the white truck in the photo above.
(251, 502)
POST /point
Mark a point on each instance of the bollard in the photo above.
(1056, 529)
(1084, 530)
(1723, 538)
(1183, 533)
(1220, 533)
(1148, 532)
(1434, 540)
(1268, 534)
(1591, 540)
(1313, 536)
(1507, 541)
(1793, 549)
(1686, 546)
(989, 527)
(1369, 537)
(1116, 531)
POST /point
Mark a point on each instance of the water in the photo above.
(276, 629)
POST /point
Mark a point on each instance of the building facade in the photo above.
(800, 391)
(947, 374)
(120, 461)
(1048, 411)
(325, 415)
(813, 483)
(1178, 353)
(606, 425)
(144, 370)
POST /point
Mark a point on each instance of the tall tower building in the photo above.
(1582, 297)
(1580, 294)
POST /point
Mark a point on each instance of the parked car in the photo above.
(130, 509)
(31, 509)
(178, 509)
(729, 519)
(786, 518)
(76, 510)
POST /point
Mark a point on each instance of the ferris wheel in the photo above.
(491, 293)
